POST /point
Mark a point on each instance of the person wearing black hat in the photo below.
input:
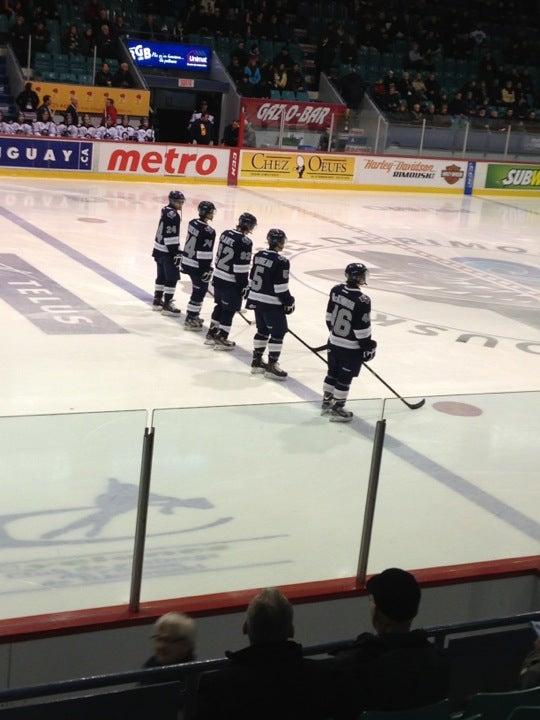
(397, 668)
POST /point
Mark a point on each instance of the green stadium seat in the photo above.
(50, 75)
(288, 95)
(266, 48)
(275, 94)
(525, 713)
(302, 95)
(440, 711)
(498, 706)
(68, 77)
(84, 79)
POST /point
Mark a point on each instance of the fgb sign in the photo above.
(139, 52)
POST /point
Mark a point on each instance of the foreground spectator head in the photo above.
(269, 618)
(174, 639)
(395, 597)
(86, 119)
(47, 100)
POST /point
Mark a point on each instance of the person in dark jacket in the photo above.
(230, 134)
(397, 668)
(28, 99)
(270, 679)
(44, 108)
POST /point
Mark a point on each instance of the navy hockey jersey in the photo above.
(168, 233)
(269, 280)
(233, 258)
(198, 251)
(348, 317)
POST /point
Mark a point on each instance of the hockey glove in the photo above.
(289, 309)
(178, 260)
(207, 276)
(368, 351)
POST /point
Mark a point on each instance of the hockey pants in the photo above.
(167, 275)
(271, 328)
(228, 301)
(343, 366)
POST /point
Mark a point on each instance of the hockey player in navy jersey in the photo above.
(230, 279)
(166, 247)
(196, 260)
(350, 343)
(269, 296)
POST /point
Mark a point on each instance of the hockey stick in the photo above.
(315, 351)
(240, 312)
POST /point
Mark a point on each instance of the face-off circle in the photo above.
(458, 409)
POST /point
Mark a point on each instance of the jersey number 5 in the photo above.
(256, 280)
(341, 322)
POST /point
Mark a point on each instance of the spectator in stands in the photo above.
(92, 10)
(296, 80)
(28, 100)
(240, 52)
(270, 678)
(352, 88)
(40, 38)
(284, 58)
(44, 126)
(174, 640)
(404, 86)
(481, 120)
(230, 134)
(106, 43)
(416, 115)
(101, 20)
(348, 51)
(392, 99)
(72, 111)
(236, 71)
(252, 78)
(18, 38)
(433, 88)
(508, 95)
(419, 86)
(397, 668)
(123, 79)
(150, 29)
(444, 118)
(104, 76)
(530, 671)
(324, 56)
(280, 78)
(44, 108)
(110, 111)
(5, 128)
(71, 43)
(457, 105)
(87, 42)
(414, 57)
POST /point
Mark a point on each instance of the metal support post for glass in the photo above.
(377, 134)
(371, 498)
(420, 149)
(466, 137)
(281, 128)
(385, 140)
(29, 57)
(507, 143)
(94, 66)
(142, 515)
(331, 132)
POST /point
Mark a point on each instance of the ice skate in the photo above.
(274, 372)
(222, 342)
(169, 308)
(192, 325)
(339, 414)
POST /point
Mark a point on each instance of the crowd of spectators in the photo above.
(395, 667)
(255, 78)
(120, 79)
(99, 28)
(495, 103)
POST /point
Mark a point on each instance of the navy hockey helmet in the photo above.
(206, 209)
(356, 273)
(176, 196)
(275, 238)
(247, 222)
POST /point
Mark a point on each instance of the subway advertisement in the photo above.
(505, 176)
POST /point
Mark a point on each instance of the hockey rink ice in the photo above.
(251, 487)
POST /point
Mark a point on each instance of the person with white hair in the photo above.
(174, 640)
(269, 679)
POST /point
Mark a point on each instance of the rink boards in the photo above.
(264, 167)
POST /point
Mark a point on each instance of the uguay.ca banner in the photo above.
(505, 176)
(33, 152)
